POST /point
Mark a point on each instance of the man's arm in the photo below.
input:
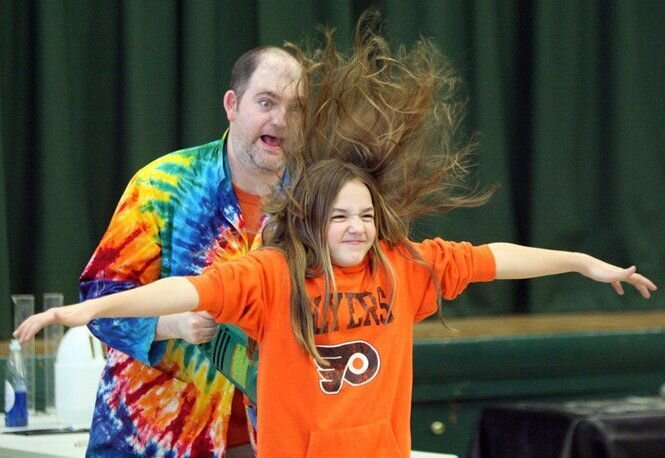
(129, 255)
(518, 262)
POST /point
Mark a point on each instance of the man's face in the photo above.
(257, 120)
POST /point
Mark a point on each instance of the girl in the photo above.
(332, 298)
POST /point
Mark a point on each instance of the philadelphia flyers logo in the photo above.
(355, 363)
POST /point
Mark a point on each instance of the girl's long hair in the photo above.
(388, 118)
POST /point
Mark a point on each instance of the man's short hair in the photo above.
(245, 66)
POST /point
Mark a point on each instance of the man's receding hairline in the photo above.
(274, 51)
(261, 55)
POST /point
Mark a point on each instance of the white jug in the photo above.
(78, 368)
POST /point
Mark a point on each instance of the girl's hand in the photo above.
(69, 315)
(607, 273)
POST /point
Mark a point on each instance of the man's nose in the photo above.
(279, 117)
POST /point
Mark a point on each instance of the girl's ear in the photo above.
(230, 102)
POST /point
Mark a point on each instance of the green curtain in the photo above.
(5, 316)
(598, 159)
(564, 96)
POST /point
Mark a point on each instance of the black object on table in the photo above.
(633, 427)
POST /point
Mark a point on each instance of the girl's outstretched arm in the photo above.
(163, 297)
(517, 261)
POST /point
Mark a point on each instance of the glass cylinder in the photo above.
(24, 306)
(52, 335)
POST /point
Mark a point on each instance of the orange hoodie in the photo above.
(359, 405)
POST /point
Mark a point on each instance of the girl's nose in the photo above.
(355, 224)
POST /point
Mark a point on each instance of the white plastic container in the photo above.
(78, 368)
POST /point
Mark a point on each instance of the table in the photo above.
(618, 428)
(61, 445)
(73, 445)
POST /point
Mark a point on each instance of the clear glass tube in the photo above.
(24, 306)
(52, 336)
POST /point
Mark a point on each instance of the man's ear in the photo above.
(230, 105)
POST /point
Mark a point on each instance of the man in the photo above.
(159, 395)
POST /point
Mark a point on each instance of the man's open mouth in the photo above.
(270, 140)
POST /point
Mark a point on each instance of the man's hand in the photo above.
(193, 327)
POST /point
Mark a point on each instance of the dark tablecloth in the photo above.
(621, 428)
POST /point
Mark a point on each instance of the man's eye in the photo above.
(265, 103)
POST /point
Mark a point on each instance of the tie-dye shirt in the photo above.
(178, 215)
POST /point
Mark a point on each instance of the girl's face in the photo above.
(351, 229)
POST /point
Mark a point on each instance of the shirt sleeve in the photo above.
(129, 255)
(456, 265)
(240, 291)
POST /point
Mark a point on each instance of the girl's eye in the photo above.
(337, 218)
(368, 217)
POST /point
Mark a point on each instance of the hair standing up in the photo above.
(387, 118)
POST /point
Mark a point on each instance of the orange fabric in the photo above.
(250, 209)
(360, 405)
